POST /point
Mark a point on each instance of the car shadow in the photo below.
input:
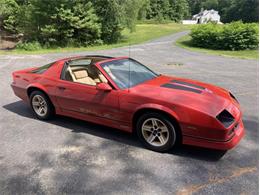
(79, 126)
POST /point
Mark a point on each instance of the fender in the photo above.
(36, 85)
(157, 107)
(41, 87)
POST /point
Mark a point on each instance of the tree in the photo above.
(158, 9)
(77, 23)
(62, 22)
(130, 12)
(179, 9)
(210, 4)
(245, 10)
(110, 14)
(142, 12)
(195, 6)
(8, 12)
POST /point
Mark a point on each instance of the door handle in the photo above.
(61, 88)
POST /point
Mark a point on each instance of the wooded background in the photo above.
(88, 22)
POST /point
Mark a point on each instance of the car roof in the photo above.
(87, 56)
(105, 58)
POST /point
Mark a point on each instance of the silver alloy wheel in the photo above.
(155, 132)
(39, 105)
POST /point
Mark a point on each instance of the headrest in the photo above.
(79, 74)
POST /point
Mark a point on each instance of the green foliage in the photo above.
(66, 22)
(61, 22)
(142, 12)
(131, 10)
(79, 23)
(245, 10)
(233, 36)
(174, 10)
(111, 17)
(185, 42)
(210, 4)
(179, 10)
(8, 13)
(158, 9)
(31, 46)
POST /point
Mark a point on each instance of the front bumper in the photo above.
(219, 145)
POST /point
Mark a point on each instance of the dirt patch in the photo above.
(7, 45)
(236, 173)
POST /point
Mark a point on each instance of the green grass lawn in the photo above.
(185, 42)
(142, 33)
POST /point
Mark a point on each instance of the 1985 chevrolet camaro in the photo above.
(122, 93)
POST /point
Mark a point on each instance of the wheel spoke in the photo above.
(154, 122)
(164, 129)
(161, 139)
(151, 138)
(44, 109)
(40, 110)
(38, 99)
(36, 103)
(147, 128)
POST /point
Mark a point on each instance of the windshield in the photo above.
(127, 73)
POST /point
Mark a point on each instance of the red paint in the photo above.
(108, 105)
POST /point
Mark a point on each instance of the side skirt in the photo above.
(98, 120)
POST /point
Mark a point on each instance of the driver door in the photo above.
(86, 101)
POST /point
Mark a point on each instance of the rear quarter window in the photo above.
(42, 69)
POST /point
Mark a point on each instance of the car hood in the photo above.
(196, 95)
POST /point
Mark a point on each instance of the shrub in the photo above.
(29, 46)
(233, 36)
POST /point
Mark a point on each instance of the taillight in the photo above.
(15, 76)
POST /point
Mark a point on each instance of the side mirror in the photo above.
(104, 87)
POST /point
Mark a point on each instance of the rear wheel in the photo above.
(41, 105)
(156, 131)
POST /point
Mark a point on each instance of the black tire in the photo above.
(50, 108)
(173, 138)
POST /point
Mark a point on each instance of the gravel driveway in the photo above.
(75, 157)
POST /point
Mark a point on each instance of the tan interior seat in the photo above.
(81, 76)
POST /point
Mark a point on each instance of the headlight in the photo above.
(225, 118)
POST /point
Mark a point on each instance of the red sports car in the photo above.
(122, 93)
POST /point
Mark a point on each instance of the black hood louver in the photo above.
(187, 84)
(180, 87)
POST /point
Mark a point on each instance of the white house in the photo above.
(206, 16)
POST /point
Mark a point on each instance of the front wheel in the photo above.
(156, 131)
